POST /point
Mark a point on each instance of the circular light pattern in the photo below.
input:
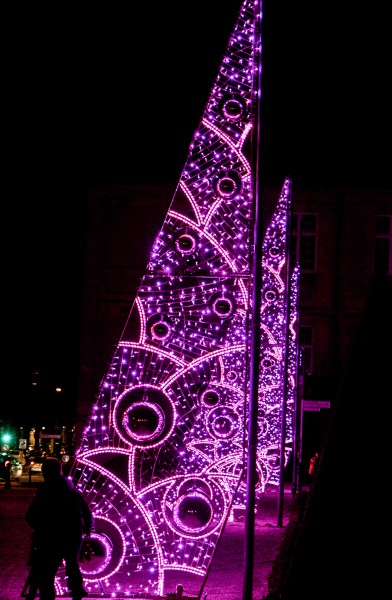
(193, 513)
(185, 244)
(144, 421)
(159, 327)
(103, 552)
(228, 184)
(274, 251)
(231, 376)
(194, 507)
(223, 422)
(267, 362)
(143, 416)
(210, 397)
(160, 330)
(270, 295)
(232, 107)
(95, 554)
(222, 305)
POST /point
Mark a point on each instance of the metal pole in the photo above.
(298, 421)
(297, 433)
(251, 472)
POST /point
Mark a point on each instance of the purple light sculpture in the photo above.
(162, 457)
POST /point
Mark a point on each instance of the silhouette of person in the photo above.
(59, 517)
(313, 464)
(7, 479)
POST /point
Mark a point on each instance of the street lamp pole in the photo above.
(251, 470)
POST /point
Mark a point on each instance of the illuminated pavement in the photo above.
(225, 580)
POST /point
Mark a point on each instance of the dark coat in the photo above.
(59, 513)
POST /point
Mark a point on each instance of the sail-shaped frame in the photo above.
(278, 352)
(162, 456)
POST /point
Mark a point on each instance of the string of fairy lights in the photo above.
(163, 454)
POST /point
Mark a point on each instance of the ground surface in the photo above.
(225, 579)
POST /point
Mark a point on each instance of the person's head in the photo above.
(51, 469)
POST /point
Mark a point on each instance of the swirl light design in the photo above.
(162, 458)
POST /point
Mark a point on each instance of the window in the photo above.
(382, 244)
(303, 241)
(306, 349)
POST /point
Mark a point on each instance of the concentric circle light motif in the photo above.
(186, 244)
(143, 416)
(231, 376)
(194, 507)
(232, 107)
(96, 554)
(223, 422)
(163, 453)
(222, 305)
(192, 513)
(159, 327)
(228, 184)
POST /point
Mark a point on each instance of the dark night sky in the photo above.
(114, 93)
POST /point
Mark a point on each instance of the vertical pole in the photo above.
(298, 421)
(296, 433)
(294, 471)
(251, 469)
(301, 425)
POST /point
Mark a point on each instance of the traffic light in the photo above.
(6, 439)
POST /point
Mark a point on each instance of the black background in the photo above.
(110, 94)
